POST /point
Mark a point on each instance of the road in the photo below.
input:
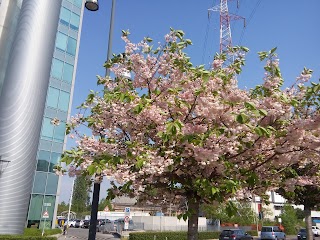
(79, 233)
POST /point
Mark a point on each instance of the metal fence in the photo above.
(119, 227)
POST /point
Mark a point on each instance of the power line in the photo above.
(206, 35)
(249, 19)
(205, 40)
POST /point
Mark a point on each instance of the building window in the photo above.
(64, 101)
(57, 68)
(65, 16)
(72, 46)
(61, 70)
(74, 21)
(39, 182)
(278, 207)
(69, 18)
(67, 72)
(52, 98)
(52, 184)
(78, 3)
(43, 161)
(53, 132)
(55, 158)
(59, 132)
(47, 129)
(66, 44)
(58, 99)
(52, 200)
(35, 209)
(61, 41)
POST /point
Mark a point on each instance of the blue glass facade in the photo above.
(58, 101)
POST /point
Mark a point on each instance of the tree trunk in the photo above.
(193, 208)
(308, 220)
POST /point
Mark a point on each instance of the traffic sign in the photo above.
(45, 214)
(127, 210)
(47, 204)
(126, 219)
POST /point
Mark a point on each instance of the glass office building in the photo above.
(45, 189)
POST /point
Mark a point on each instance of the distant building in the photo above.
(275, 208)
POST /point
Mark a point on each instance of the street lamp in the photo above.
(93, 5)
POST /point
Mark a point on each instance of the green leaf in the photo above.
(261, 131)
(262, 55)
(231, 209)
(242, 118)
(258, 131)
(249, 105)
(214, 190)
(273, 50)
(91, 169)
(66, 159)
(263, 112)
(138, 109)
(125, 33)
(188, 41)
(171, 128)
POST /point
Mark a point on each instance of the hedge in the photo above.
(38, 232)
(33, 234)
(22, 237)
(176, 235)
(170, 235)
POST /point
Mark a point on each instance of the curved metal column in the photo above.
(22, 105)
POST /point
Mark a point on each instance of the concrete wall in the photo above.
(116, 215)
(165, 223)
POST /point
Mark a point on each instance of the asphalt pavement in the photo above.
(79, 233)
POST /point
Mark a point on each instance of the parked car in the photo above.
(272, 232)
(234, 234)
(302, 234)
(106, 226)
(78, 223)
(72, 223)
(315, 231)
(86, 224)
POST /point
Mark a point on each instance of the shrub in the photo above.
(170, 235)
(253, 232)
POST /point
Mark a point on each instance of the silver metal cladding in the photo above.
(22, 103)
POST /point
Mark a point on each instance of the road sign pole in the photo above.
(44, 223)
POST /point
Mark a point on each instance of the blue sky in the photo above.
(292, 26)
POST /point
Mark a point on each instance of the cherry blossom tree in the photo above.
(300, 181)
(175, 132)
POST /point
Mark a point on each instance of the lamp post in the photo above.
(93, 5)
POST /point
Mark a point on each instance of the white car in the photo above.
(315, 230)
(72, 223)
